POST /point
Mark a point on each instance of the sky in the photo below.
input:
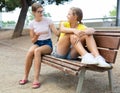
(91, 9)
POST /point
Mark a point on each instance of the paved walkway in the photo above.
(12, 56)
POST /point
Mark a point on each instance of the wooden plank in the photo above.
(64, 69)
(108, 31)
(109, 55)
(107, 34)
(96, 68)
(62, 63)
(115, 33)
(72, 62)
(107, 42)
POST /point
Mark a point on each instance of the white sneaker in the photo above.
(89, 59)
(101, 62)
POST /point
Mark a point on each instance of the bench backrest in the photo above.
(108, 43)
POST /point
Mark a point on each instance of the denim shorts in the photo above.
(67, 56)
(44, 42)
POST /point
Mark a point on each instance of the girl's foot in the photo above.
(36, 85)
(89, 59)
(102, 63)
(22, 82)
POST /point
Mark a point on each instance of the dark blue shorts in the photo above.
(67, 56)
(44, 42)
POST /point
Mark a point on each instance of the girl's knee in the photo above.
(30, 51)
(74, 39)
(30, 54)
(37, 51)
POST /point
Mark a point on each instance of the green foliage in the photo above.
(47, 14)
(113, 12)
(10, 5)
(57, 1)
(6, 24)
(2, 4)
(31, 17)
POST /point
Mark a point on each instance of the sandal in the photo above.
(36, 85)
(22, 82)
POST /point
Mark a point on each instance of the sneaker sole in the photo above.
(90, 63)
(104, 66)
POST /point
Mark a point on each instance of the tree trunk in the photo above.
(21, 20)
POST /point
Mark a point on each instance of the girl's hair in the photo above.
(77, 11)
(35, 6)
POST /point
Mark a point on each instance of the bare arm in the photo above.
(79, 33)
(53, 28)
(33, 36)
(89, 31)
(66, 30)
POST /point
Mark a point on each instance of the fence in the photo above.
(92, 22)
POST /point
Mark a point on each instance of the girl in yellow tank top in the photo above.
(67, 25)
(71, 42)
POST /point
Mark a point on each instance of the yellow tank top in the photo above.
(67, 24)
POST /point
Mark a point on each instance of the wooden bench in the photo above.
(108, 43)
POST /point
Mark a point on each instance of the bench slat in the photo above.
(96, 68)
(64, 69)
(72, 62)
(117, 34)
(109, 55)
(62, 63)
(107, 42)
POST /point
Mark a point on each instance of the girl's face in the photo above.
(71, 17)
(38, 13)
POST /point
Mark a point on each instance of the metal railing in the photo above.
(100, 22)
(91, 22)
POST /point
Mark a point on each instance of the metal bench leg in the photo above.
(81, 79)
(110, 80)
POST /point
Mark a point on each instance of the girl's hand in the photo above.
(37, 34)
(79, 33)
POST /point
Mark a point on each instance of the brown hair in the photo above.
(35, 6)
(77, 11)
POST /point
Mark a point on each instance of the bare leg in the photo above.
(91, 45)
(76, 43)
(93, 49)
(87, 58)
(37, 60)
(28, 62)
(63, 45)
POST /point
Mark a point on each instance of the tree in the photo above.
(10, 5)
(21, 19)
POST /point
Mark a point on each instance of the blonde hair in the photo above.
(35, 6)
(77, 11)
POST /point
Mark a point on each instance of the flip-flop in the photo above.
(22, 82)
(36, 85)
